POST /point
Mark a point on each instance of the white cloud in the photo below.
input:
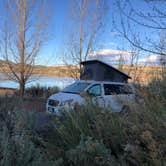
(112, 56)
(153, 59)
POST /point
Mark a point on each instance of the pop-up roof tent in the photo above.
(101, 71)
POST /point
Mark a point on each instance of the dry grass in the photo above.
(34, 104)
(89, 135)
(7, 91)
(28, 104)
(34, 100)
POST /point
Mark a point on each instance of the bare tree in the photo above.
(85, 21)
(143, 26)
(128, 61)
(23, 35)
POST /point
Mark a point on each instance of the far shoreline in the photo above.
(7, 91)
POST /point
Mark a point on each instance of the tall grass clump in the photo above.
(88, 135)
(17, 137)
(41, 91)
(137, 138)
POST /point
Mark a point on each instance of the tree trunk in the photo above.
(22, 89)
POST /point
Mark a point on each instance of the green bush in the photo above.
(135, 137)
(89, 152)
(88, 135)
(17, 135)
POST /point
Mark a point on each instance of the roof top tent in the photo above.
(101, 71)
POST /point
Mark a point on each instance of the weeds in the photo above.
(17, 135)
(39, 91)
(87, 135)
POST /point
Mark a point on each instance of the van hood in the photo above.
(62, 97)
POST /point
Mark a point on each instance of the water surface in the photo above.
(41, 81)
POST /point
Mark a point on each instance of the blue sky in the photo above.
(53, 49)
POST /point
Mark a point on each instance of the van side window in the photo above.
(113, 89)
(95, 90)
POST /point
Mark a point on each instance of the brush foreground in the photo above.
(86, 136)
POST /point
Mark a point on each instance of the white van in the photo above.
(111, 95)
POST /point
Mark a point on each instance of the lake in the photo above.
(42, 81)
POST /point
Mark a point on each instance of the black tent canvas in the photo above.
(101, 71)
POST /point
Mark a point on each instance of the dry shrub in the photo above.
(40, 91)
(90, 135)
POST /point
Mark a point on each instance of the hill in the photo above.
(142, 74)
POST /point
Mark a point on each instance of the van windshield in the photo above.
(77, 87)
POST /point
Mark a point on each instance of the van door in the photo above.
(95, 92)
(116, 96)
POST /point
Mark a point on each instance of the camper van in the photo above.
(111, 95)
